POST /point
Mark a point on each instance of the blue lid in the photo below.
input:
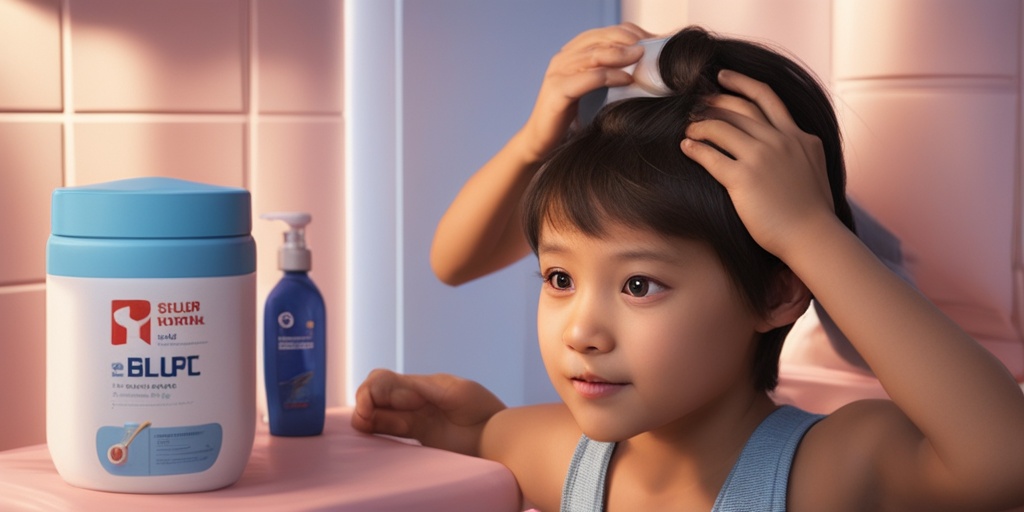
(141, 258)
(151, 208)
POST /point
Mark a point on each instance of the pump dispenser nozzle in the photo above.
(293, 255)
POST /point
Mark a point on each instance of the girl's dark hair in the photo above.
(626, 166)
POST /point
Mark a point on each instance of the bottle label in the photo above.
(161, 372)
(138, 449)
(163, 348)
(295, 339)
(160, 352)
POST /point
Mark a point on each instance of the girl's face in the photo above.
(637, 330)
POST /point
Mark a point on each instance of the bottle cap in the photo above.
(150, 208)
(646, 73)
(647, 82)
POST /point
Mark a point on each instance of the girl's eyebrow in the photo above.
(549, 247)
(668, 257)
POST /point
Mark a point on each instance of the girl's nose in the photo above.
(588, 327)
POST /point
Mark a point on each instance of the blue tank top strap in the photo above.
(760, 478)
(584, 486)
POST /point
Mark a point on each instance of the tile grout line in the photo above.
(252, 101)
(15, 288)
(67, 97)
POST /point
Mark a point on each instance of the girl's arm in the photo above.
(963, 447)
(441, 411)
(480, 232)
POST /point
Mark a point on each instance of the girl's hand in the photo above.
(441, 411)
(589, 61)
(774, 172)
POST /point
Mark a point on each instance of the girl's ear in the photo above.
(791, 299)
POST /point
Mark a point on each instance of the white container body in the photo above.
(171, 360)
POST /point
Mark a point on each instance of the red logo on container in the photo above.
(129, 320)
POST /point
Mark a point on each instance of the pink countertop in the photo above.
(340, 470)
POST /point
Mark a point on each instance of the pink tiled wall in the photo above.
(231, 92)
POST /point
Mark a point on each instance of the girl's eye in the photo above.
(639, 286)
(559, 280)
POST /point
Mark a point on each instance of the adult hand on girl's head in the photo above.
(441, 411)
(589, 61)
(774, 172)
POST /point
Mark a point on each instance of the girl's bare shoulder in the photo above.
(536, 443)
(855, 458)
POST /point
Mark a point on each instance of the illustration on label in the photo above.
(296, 391)
(118, 453)
(158, 451)
(130, 321)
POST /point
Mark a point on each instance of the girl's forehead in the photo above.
(614, 236)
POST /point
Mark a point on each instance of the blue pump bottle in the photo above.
(294, 339)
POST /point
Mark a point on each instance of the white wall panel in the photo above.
(435, 88)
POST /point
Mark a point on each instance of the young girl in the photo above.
(678, 238)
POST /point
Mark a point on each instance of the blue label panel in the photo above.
(155, 451)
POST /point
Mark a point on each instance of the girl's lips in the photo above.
(595, 387)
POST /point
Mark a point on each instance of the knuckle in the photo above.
(378, 374)
(594, 57)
